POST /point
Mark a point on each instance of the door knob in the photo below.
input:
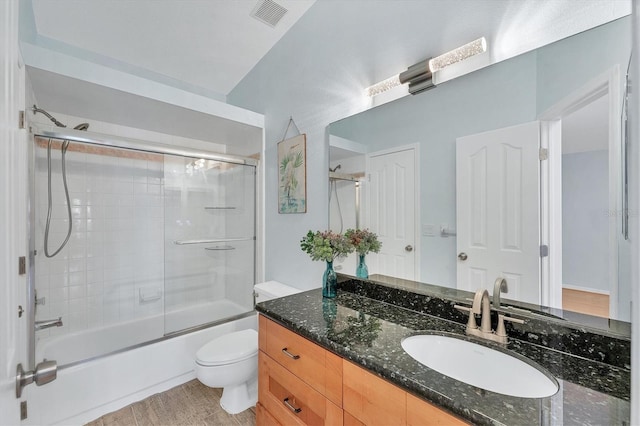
(408, 248)
(462, 256)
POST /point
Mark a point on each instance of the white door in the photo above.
(498, 214)
(391, 212)
(12, 212)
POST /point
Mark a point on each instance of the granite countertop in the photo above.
(369, 332)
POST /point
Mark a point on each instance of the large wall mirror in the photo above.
(515, 170)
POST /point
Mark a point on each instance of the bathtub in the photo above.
(87, 390)
(87, 344)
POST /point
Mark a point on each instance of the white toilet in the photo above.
(231, 361)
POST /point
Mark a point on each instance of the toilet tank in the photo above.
(271, 290)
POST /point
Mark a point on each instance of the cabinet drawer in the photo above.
(290, 400)
(316, 366)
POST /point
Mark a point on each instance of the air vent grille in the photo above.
(269, 12)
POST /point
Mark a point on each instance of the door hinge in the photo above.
(544, 154)
(22, 265)
(23, 410)
(544, 250)
(21, 120)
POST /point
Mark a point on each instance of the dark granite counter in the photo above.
(369, 333)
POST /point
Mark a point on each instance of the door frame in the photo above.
(551, 183)
(417, 243)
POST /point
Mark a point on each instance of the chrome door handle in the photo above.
(408, 248)
(462, 256)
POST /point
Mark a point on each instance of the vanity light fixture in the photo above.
(382, 86)
(420, 75)
(476, 47)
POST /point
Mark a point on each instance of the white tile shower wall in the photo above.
(116, 244)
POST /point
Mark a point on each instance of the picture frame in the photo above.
(292, 175)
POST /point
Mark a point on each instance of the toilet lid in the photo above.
(229, 348)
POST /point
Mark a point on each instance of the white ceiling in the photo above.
(210, 44)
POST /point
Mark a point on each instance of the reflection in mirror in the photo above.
(513, 170)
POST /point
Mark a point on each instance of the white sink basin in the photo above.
(480, 366)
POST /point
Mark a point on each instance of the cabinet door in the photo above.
(290, 400)
(264, 418)
(421, 413)
(372, 400)
(316, 366)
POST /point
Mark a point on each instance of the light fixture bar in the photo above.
(382, 86)
(460, 54)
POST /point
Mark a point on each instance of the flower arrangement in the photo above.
(363, 241)
(326, 245)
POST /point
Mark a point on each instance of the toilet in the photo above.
(231, 360)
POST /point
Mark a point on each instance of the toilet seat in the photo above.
(228, 349)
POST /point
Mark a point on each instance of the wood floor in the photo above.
(189, 404)
(585, 302)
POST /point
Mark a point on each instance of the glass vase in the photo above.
(361, 270)
(329, 282)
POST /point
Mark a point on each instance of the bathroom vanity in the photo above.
(340, 361)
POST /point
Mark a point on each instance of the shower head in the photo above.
(81, 126)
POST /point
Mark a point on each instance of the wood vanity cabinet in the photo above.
(302, 383)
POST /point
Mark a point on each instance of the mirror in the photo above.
(421, 170)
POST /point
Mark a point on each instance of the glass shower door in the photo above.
(209, 241)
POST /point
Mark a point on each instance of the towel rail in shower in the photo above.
(223, 240)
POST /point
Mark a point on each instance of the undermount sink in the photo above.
(480, 366)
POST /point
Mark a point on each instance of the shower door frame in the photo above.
(118, 143)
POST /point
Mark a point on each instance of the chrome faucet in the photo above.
(41, 325)
(481, 307)
(498, 287)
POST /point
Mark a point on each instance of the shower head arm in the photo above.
(49, 116)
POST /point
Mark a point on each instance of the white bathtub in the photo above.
(88, 390)
(86, 344)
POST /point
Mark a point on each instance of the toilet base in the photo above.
(236, 399)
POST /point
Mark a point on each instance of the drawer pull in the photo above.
(289, 354)
(291, 407)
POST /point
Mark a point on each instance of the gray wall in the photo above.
(585, 220)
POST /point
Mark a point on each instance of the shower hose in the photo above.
(63, 150)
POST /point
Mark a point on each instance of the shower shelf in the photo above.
(222, 240)
(220, 248)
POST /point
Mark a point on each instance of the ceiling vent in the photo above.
(269, 12)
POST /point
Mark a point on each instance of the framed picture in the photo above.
(292, 175)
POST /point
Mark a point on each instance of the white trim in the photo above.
(59, 63)
(586, 289)
(415, 147)
(551, 182)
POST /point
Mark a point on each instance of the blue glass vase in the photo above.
(361, 270)
(329, 282)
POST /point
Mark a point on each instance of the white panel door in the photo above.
(391, 212)
(498, 213)
(12, 212)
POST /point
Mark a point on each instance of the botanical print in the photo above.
(292, 175)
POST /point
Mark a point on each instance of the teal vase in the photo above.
(329, 282)
(362, 271)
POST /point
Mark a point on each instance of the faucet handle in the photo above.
(471, 322)
(501, 330)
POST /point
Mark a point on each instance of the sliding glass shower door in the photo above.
(209, 241)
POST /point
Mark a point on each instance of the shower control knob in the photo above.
(462, 256)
